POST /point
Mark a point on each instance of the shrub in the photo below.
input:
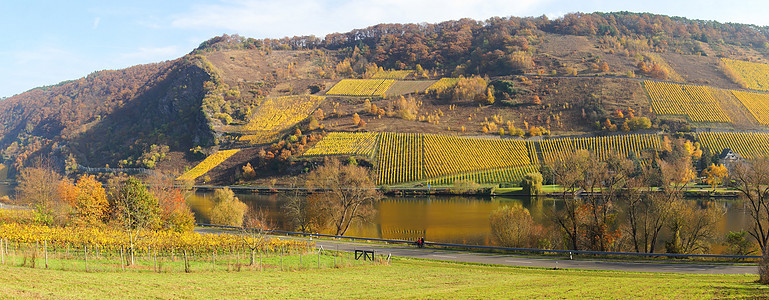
(228, 210)
(512, 226)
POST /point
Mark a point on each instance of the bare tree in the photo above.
(751, 179)
(253, 233)
(348, 192)
(39, 188)
(650, 211)
(588, 220)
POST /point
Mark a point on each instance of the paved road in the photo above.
(549, 262)
(525, 261)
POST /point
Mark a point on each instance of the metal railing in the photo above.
(495, 248)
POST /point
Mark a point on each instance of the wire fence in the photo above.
(93, 258)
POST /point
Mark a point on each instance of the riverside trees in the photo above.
(593, 188)
(752, 180)
(347, 191)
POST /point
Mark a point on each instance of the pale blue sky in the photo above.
(46, 42)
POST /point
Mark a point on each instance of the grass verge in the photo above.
(404, 278)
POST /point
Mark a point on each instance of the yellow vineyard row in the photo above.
(446, 155)
(697, 103)
(207, 164)
(756, 103)
(392, 74)
(361, 87)
(748, 144)
(443, 84)
(276, 114)
(513, 174)
(344, 143)
(113, 240)
(754, 75)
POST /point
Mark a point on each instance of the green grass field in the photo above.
(404, 278)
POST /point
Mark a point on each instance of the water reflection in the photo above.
(450, 219)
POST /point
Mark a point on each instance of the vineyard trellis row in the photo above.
(345, 143)
(113, 240)
(627, 145)
(361, 87)
(749, 145)
(513, 174)
(276, 114)
(697, 103)
(755, 75)
(207, 164)
(412, 157)
(756, 103)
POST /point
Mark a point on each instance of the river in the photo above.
(449, 219)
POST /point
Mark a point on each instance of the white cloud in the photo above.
(270, 18)
(96, 22)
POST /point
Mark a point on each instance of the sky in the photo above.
(49, 41)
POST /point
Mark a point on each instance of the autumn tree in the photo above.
(228, 210)
(512, 226)
(175, 213)
(88, 200)
(532, 184)
(306, 214)
(751, 179)
(589, 221)
(348, 192)
(39, 187)
(248, 172)
(692, 228)
(714, 175)
(134, 209)
(650, 211)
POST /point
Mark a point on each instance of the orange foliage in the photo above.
(88, 200)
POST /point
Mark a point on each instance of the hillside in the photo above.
(507, 80)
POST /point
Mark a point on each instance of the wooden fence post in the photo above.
(45, 252)
(86, 256)
(186, 262)
(155, 257)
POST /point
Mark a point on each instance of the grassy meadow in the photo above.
(403, 278)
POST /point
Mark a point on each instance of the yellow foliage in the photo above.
(343, 143)
(695, 102)
(361, 87)
(207, 164)
(752, 75)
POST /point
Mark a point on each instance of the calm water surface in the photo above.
(450, 219)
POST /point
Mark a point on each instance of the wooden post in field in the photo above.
(281, 258)
(186, 262)
(86, 256)
(2, 252)
(213, 261)
(45, 252)
(155, 257)
(122, 258)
